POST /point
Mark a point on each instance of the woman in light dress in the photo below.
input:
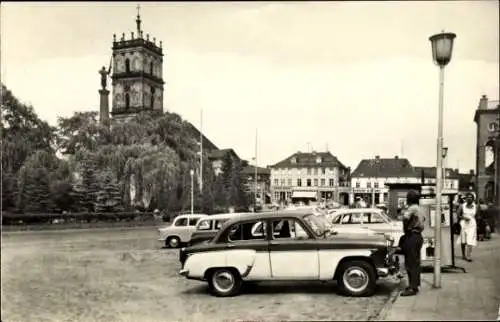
(468, 232)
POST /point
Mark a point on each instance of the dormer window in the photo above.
(294, 160)
(318, 160)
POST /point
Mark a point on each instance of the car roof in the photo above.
(297, 213)
(355, 210)
(191, 215)
(224, 216)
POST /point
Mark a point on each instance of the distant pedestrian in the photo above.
(468, 232)
(413, 225)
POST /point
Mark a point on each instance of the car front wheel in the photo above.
(173, 242)
(357, 278)
(224, 282)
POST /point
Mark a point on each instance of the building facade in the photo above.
(306, 177)
(216, 157)
(263, 183)
(487, 119)
(137, 74)
(370, 177)
(450, 178)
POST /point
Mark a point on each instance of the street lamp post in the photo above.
(444, 153)
(442, 48)
(191, 172)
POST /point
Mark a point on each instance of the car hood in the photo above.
(356, 240)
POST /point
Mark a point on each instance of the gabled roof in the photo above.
(384, 168)
(251, 170)
(220, 154)
(309, 160)
(430, 172)
(207, 144)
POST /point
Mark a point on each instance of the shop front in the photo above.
(304, 196)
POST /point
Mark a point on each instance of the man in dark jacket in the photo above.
(413, 225)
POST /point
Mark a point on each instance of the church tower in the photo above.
(137, 78)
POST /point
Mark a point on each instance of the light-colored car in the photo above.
(180, 231)
(208, 227)
(370, 219)
(300, 250)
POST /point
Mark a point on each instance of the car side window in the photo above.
(181, 222)
(376, 218)
(218, 223)
(337, 219)
(245, 231)
(288, 229)
(356, 218)
(193, 221)
(346, 219)
(205, 225)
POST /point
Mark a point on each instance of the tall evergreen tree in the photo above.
(34, 191)
(108, 198)
(87, 187)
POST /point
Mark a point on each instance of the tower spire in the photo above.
(138, 20)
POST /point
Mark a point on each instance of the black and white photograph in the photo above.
(250, 161)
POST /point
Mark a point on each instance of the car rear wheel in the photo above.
(173, 242)
(357, 278)
(224, 282)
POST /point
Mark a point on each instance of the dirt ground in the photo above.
(124, 275)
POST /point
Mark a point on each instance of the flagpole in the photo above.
(255, 179)
(201, 151)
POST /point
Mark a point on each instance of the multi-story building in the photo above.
(305, 177)
(369, 179)
(263, 182)
(466, 182)
(450, 178)
(487, 119)
(216, 157)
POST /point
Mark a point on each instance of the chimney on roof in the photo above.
(377, 157)
(483, 103)
(471, 172)
(396, 157)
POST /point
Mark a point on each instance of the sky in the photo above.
(356, 78)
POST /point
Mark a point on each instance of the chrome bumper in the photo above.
(184, 272)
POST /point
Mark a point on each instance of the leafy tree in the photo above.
(231, 179)
(80, 131)
(108, 198)
(22, 132)
(9, 190)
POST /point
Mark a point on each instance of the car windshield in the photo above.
(317, 223)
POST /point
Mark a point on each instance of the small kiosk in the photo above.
(397, 200)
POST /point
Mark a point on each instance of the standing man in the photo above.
(413, 225)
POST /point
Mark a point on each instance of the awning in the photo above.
(305, 194)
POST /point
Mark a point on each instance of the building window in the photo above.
(151, 68)
(368, 184)
(127, 100)
(289, 182)
(376, 184)
(308, 171)
(127, 65)
(318, 160)
(152, 98)
(315, 182)
(299, 182)
(294, 160)
(323, 170)
(331, 182)
(276, 182)
(282, 182)
(358, 184)
(308, 182)
(322, 182)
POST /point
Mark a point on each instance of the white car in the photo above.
(293, 247)
(370, 219)
(180, 231)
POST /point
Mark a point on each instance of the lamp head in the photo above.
(442, 47)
